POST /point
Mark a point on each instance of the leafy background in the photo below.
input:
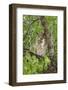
(33, 63)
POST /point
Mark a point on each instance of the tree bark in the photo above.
(48, 37)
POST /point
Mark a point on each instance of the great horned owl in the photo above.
(40, 46)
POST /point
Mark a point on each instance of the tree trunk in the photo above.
(48, 37)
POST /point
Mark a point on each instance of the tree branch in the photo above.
(32, 53)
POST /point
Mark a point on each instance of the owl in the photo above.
(40, 46)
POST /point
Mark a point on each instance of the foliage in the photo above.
(31, 29)
(34, 65)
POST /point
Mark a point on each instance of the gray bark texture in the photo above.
(48, 36)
